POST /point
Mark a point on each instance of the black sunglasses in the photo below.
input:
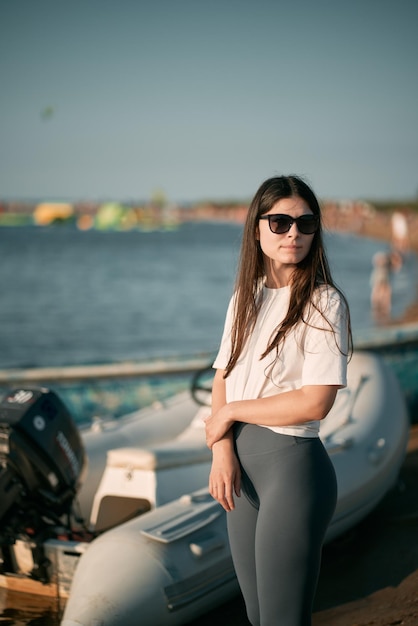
(280, 223)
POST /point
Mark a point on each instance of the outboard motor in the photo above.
(42, 463)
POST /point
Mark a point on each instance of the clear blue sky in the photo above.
(207, 98)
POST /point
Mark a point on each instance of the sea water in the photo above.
(73, 297)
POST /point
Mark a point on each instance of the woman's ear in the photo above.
(257, 233)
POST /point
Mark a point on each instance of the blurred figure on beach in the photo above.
(384, 264)
(400, 234)
(381, 288)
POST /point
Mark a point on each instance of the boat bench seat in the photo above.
(163, 456)
(137, 479)
(188, 448)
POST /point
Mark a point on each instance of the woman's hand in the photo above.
(217, 425)
(225, 474)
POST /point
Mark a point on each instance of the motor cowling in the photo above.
(42, 457)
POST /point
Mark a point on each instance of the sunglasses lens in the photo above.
(280, 224)
(307, 224)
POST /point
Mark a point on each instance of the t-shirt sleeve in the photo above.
(224, 352)
(326, 342)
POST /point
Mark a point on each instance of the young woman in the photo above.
(283, 356)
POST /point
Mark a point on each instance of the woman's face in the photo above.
(290, 248)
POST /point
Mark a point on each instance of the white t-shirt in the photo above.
(311, 355)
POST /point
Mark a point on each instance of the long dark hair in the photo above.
(308, 275)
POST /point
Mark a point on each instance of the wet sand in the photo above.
(369, 576)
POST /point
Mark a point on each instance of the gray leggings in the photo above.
(276, 531)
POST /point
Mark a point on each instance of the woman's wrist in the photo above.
(225, 444)
(228, 416)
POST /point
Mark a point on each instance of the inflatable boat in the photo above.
(116, 520)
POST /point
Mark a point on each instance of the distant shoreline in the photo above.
(370, 219)
(366, 221)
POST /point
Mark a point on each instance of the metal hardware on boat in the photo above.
(206, 546)
(377, 451)
(202, 496)
(340, 444)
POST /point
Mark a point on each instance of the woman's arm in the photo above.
(225, 474)
(310, 403)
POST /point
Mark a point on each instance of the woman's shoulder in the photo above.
(328, 297)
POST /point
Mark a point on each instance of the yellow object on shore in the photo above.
(49, 212)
